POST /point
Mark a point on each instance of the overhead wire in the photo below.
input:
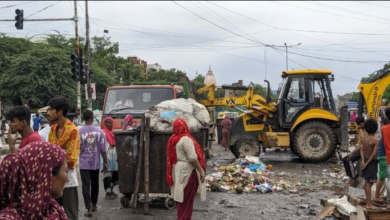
(372, 4)
(215, 15)
(346, 10)
(287, 30)
(257, 41)
(248, 58)
(216, 24)
(296, 6)
(43, 9)
(10, 6)
(338, 60)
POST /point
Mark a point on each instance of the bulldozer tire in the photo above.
(314, 142)
(246, 145)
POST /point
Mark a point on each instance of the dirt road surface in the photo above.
(304, 204)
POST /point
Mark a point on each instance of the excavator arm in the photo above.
(249, 100)
(253, 102)
(372, 91)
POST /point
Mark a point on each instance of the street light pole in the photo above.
(286, 46)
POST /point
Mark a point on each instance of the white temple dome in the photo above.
(210, 78)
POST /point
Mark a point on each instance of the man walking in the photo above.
(37, 121)
(19, 122)
(65, 134)
(92, 144)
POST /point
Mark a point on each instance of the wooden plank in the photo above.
(377, 214)
(139, 164)
(361, 213)
(356, 201)
(325, 212)
(324, 202)
(147, 142)
(353, 216)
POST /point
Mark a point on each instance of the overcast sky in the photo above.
(345, 37)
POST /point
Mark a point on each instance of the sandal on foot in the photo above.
(88, 215)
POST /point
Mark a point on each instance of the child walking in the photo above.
(368, 153)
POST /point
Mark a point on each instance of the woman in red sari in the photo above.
(185, 169)
(226, 125)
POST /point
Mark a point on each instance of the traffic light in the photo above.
(19, 19)
(91, 74)
(75, 67)
(83, 77)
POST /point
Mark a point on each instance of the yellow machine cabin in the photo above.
(303, 118)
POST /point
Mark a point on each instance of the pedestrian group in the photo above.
(39, 178)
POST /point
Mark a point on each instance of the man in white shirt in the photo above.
(124, 102)
(44, 132)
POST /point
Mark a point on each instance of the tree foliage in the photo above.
(33, 77)
(32, 72)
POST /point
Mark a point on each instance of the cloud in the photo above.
(165, 33)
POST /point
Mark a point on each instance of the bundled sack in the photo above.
(165, 113)
(200, 112)
(177, 105)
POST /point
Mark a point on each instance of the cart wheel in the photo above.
(170, 203)
(125, 202)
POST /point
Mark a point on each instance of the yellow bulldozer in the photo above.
(304, 118)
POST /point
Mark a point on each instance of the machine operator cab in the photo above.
(302, 90)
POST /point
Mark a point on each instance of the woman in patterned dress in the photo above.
(185, 169)
(31, 180)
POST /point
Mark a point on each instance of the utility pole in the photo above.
(77, 50)
(88, 53)
(286, 46)
(265, 61)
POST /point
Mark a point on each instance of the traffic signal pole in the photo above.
(88, 55)
(19, 25)
(77, 51)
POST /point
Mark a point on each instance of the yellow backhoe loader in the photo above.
(304, 118)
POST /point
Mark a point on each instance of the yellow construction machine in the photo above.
(304, 118)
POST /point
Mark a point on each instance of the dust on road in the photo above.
(304, 204)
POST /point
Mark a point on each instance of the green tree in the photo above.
(355, 97)
(170, 75)
(35, 76)
(131, 73)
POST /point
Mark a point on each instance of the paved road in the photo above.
(228, 206)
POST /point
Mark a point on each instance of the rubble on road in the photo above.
(251, 175)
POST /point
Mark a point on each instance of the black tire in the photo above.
(125, 201)
(314, 142)
(246, 145)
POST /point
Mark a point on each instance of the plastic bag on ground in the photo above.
(342, 205)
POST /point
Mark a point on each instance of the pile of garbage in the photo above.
(165, 113)
(248, 175)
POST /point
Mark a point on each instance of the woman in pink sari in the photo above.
(128, 122)
(353, 116)
(110, 178)
(226, 125)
